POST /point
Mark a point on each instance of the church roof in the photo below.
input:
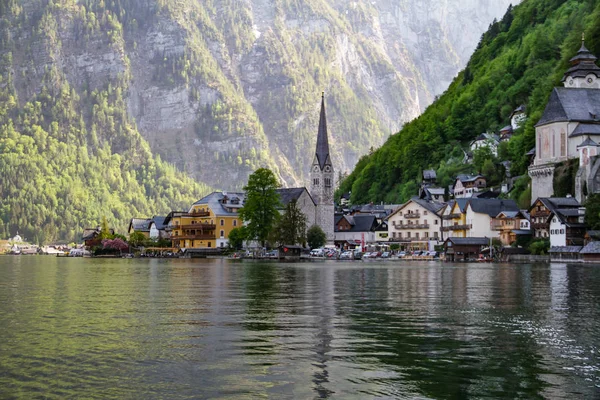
(572, 104)
(322, 151)
(588, 142)
(586, 129)
(286, 195)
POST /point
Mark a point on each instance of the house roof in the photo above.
(593, 234)
(159, 222)
(432, 206)
(469, 241)
(552, 203)
(360, 223)
(572, 104)
(223, 203)
(91, 233)
(140, 224)
(565, 249)
(591, 248)
(492, 207)
(507, 128)
(429, 174)
(468, 178)
(518, 110)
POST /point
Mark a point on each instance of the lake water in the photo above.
(219, 329)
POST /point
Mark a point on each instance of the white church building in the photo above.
(570, 128)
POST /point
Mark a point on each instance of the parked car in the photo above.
(366, 255)
(385, 254)
(346, 255)
(358, 255)
(401, 254)
(316, 253)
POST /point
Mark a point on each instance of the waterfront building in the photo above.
(322, 176)
(454, 218)
(541, 210)
(567, 227)
(570, 117)
(208, 222)
(355, 230)
(304, 202)
(511, 225)
(151, 228)
(416, 225)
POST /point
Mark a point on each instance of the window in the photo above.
(235, 222)
(222, 222)
(327, 182)
(435, 222)
(222, 244)
(209, 244)
(562, 231)
(400, 235)
(435, 235)
(417, 235)
(222, 233)
(394, 235)
(424, 212)
(316, 181)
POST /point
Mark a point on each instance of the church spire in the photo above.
(322, 151)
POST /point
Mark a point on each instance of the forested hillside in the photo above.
(518, 61)
(69, 159)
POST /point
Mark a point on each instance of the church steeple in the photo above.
(584, 73)
(322, 151)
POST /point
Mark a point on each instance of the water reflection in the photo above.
(221, 329)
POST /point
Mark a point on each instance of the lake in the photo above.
(225, 329)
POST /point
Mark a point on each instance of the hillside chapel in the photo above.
(570, 129)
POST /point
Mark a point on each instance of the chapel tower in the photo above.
(322, 176)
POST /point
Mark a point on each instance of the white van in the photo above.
(316, 253)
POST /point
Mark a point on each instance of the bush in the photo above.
(540, 247)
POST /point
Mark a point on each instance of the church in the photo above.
(569, 129)
(317, 202)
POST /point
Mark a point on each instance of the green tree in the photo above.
(539, 247)
(315, 237)
(137, 239)
(592, 212)
(237, 237)
(291, 227)
(260, 210)
(104, 229)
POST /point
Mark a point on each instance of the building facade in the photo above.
(416, 225)
(208, 222)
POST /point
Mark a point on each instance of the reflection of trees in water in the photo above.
(261, 290)
(435, 348)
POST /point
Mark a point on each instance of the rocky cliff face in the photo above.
(220, 87)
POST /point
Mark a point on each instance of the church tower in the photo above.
(584, 73)
(322, 175)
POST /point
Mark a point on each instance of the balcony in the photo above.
(186, 236)
(540, 226)
(456, 227)
(451, 216)
(198, 214)
(412, 226)
(540, 213)
(499, 226)
(411, 215)
(202, 226)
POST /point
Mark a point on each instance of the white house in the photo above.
(467, 185)
(480, 212)
(416, 225)
(486, 140)
(567, 227)
(517, 117)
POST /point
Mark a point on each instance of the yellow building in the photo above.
(454, 219)
(207, 223)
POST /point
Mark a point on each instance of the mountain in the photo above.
(517, 62)
(108, 107)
